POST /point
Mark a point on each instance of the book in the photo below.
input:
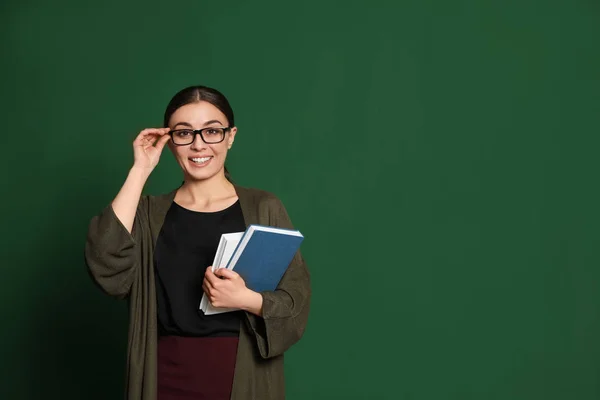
(261, 257)
(225, 249)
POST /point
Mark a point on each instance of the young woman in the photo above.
(156, 251)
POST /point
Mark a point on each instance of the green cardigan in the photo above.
(122, 265)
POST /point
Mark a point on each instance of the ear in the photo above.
(231, 137)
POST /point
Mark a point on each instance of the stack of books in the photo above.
(260, 255)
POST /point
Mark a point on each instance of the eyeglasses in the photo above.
(183, 137)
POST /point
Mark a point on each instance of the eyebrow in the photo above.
(182, 123)
(212, 121)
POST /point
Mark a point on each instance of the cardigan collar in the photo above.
(163, 203)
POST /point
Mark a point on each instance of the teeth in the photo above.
(200, 160)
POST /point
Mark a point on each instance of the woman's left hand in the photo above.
(227, 289)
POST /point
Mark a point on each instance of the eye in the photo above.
(183, 133)
(215, 131)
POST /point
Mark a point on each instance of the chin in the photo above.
(201, 175)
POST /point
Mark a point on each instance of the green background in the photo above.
(440, 158)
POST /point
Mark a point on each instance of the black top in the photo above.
(185, 247)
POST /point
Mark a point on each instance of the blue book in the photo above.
(263, 255)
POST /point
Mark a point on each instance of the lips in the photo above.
(200, 161)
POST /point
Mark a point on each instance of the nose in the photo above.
(198, 143)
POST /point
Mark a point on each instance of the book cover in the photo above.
(263, 255)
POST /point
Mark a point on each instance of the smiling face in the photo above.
(200, 160)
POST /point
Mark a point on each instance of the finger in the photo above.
(211, 278)
(210, 282)
(226, 273)
(158, 131)
(209, 271)
(162, 141)
(208, 275)
(150, 133)
(153, 131)
(206, 288)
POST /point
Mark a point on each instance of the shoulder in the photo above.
(258, 196)
(156, 203)
(269, 207)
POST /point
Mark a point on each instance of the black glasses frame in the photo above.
(200, 132)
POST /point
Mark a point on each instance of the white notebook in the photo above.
(227, 245)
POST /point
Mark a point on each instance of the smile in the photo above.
(200, 161)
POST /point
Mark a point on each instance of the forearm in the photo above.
(126, 202)
(111, 253)
(284, 312)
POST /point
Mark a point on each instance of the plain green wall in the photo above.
(440, 157)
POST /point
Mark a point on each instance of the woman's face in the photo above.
(200, 160)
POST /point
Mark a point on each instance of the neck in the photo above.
(207, 190)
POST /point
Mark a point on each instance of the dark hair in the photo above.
(195, 94)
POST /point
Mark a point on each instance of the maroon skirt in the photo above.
(195, 368)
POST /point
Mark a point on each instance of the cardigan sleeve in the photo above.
(285, 310)
(112, 253)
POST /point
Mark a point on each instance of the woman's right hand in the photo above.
(148, 146)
